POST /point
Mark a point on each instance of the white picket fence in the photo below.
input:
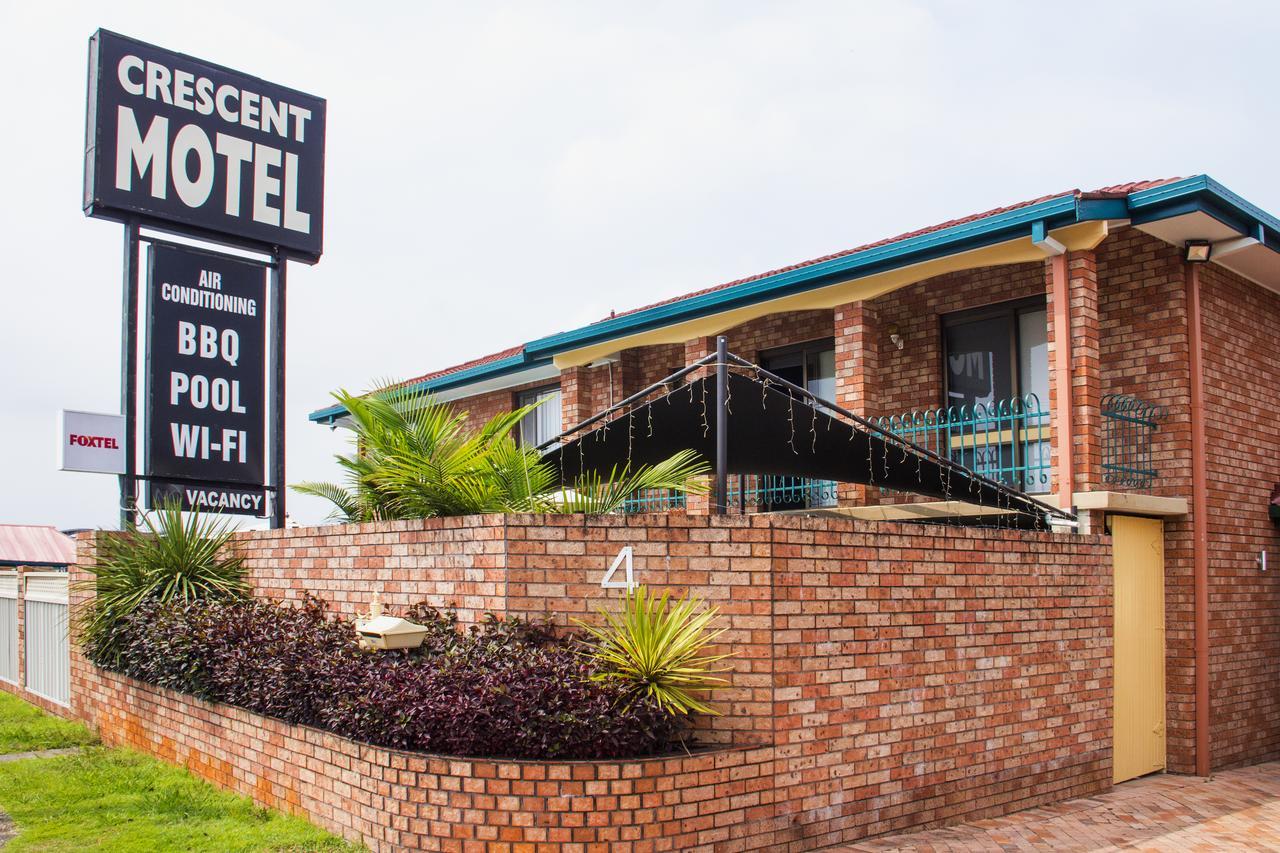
(9, 627)
(46, 623)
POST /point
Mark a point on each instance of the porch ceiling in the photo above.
(1084, 235)
(1233, 249)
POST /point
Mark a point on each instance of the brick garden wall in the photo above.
(887, 676)
(393, 800)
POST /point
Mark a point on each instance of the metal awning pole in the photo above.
(722, 426)
(639, 395)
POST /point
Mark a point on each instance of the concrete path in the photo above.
(40, 753)
(1233, 810)
(7, 828)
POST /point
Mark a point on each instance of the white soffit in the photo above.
(1256, 263)
(543, 373)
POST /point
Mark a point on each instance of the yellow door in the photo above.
(1138, 733)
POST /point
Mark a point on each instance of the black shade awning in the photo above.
(773, 431)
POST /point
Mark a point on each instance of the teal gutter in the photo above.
(998, 228)
(500, 367)
(1199, 193)
(1202, 194)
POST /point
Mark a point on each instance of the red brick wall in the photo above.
(1143, 351)
(643, 366)
(886, 676)
(392, 800)
(779, 330)
(911, 377)
(1241, 338)
(933, 675)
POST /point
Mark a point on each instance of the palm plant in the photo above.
(176, 556)
(657, 648)
(415, 457)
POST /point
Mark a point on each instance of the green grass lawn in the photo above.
(118, 800)
(24, 728)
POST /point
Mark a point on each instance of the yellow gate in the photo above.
(1138, 735)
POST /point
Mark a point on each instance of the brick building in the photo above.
(1152, 416)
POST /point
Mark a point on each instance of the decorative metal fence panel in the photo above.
(654, 500)
(48, 652)
(1128, 425)
(1007, 440)
(9, 627)
(772, 493)
(748, 493)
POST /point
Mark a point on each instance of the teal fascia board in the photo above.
(997, 228)
(1203, 194)
(493, 369)
(1198, 193)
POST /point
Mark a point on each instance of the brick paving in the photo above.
(1233, 810)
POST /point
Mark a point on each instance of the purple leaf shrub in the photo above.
(504, 689)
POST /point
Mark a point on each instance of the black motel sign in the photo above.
(205, 380)
(215, 152)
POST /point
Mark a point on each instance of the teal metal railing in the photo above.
(1128, 425)
(771, 493)
(1007, 440)
(655, 500)
(747, 493)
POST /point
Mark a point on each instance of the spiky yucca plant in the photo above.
(658, 647)
(175, 556)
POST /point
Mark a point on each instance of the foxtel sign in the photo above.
(174, 140)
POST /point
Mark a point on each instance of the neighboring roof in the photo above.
(35, 545)
(1138, 201)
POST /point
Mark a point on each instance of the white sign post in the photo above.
(89, 441)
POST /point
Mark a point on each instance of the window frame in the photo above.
(1010, 309)
(524, 398)
(803, 348)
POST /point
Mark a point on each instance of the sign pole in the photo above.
(129, 377)
(279, 278)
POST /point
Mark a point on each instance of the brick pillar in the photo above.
(857, 345)
(1086, 375)
(575, 396)
(1071, 284)
(1057, 296)
(693, 350)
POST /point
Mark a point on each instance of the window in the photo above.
(997, 354)
(996, 375)
(543, 423)
(812, 366)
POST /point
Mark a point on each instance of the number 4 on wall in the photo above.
(623, 559)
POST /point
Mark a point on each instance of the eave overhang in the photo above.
(1074, 220)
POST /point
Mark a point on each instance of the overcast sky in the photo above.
(498, 172)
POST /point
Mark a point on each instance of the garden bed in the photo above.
(399, 800)
(504, 689)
